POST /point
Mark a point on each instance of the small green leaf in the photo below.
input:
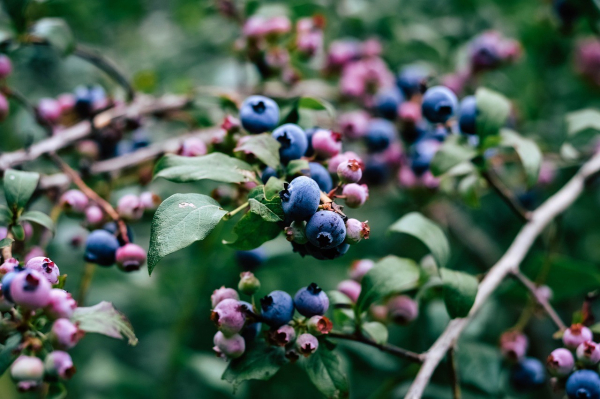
(56, 390)
(376, 331)
(264, 147)
(454, 151)
(40, 218)
(259, 362)
(7, 352)
(467, 188)
(427, 232)
(273, 187)
(19, 187)
(391, 275)
(324, 370)
(316, 104)
(56, 32)
(252, 231)
(18, 232)
(6, 242)
(580, 121)
(263, 211)
(460, 290)
(297, 167)
(104, 319)
(215, 166)
(492, 112)
(528, 151)
(179, 221)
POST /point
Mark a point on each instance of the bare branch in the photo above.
(507, 196)
(394, 350)
(456, 394)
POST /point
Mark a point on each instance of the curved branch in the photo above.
(507, 196)
(394, 350)
(509, 263)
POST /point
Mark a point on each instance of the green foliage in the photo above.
(454, 151)
(56, 32)
(8, 352)
(375, 330)
(460, 290)
(528, 151)
(264, 147)
(40, 218)
(104, 319)
(492, 111)
(324, 370)
(259, 362)
(18, 188)
(215, 166)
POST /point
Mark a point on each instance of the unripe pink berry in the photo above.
(307, 344)
(62, 304)
(278, 25)
(379, 313)
(350, 288)
(410, 112)
(355, 124)
(356, 194)
(74, 200)
(49, 110)
(192, 147)
(223, 293)
(349, 171)
(65, 334)
(544, 292)
(5, 66)
(231, 124)
(88, 148)
(130, 257)
(254, 27)
(27, 229)
(356, 231)
(560, 362)
(8, 266)
(335, 162)
(429, 180)
(359, 268)
(229, 316)
(403, 309)
(45, 267)
(588, 353)
(130, 207)
(371, 48)
(94, 215)
(231, 347)
(318, 325)
(66, 102)
(27, 368)
(576, 335)
(407, 178)
(30, 289)
(326, 143)
(283, 336)
(513, 345)
(59, 364)
(149, 200)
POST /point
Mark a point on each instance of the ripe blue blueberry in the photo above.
(259, 114)
(250, 260)
(467, 116)
(293, 141)
(310, 151)
(6, 281)
(326, 229)
(277, 308)
(387, 102)
(377, 172)
(529, 373)
(324, 254)
(101, 248)
(311, 301)
(251, 330)
(412, 80)
(321, 175)
(439, 104)
(422, 154)
(380, 134)
(267, 173)
(583, 384)
(83, 102)
(112, 228)
(300, 199)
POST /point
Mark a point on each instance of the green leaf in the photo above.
(324, 370)
(297, 167)
(270, 210)
(492, 111)
(56, 32)
(453, 152)
(19, 187)
(467, 188)
(7, 352)
(259, 362)
(528, 151)
(580, 121)
(179, 221)
(56, 390)
(18, 232)
(215, 166)
(40, 218)
(427, 232)
(264, 147)
(273, 187)
(6, 242)
(263, 211)
(480, 367)
(316, 104)
(391, 275)
(460, 290)
(104, 319)
(252, 231)
(376, 331)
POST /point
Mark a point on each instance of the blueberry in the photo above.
(310, 151)
(84, 104)
(300, 199)
(422, 154)
(311, 301)
(412, 79)
(259, 114)
(250, 331)
(267, 173)
(112, 228)
(380, 134)
(250, 260)
(326, 254)
(321, 175)
(583, 384)
(387, 102)
(6, 281)
(277, 308)
(293, 141)
(529, 373)
(376, 172)
(326, 229)
(140, 139)
(101, 248)
(439, 104)
(467, 115)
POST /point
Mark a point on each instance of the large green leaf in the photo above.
(460, 290)
(480, 367)
(324, 370)
(580, 121)
(528, 151)
(492, 111)
(454, 151)
(179, 221)
(264, 147)
(19, 187)
(391, 275)
(273, 187)
(56, 32)
(215, 166)
(375, 330)
(40, 218)
(259, 362)
(427, 232)
(252, 231)
(7, 352)
(104, 319)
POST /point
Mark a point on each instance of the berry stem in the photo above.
(240, 208)
(506, 195)
(388, 348)
(454, 377)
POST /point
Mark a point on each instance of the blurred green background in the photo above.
(172, 46)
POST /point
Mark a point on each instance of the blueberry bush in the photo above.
(368, 199)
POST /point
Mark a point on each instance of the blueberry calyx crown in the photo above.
(313, 288)
(284, 140)
(266, 302)
(285, 193)
(259, 107)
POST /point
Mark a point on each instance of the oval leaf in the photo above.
(9, 352)
(427, 232)
(6, 242)
(376, 331)
(40, 218)
(582, 120)
(179, 221)
(19, 187)
(252, 231)
(324, 370)
(460, 290)
(528, 151)
(264, 147)
(215, 166)
(454, 151)
(56, 32)
(259, 362)
(492, 111)
(273, 187)
(104, 319)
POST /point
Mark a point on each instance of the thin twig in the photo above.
(506, 195)
(388, 348)
(454, 377)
